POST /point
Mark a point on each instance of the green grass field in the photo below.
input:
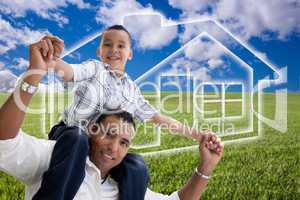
(268, 168)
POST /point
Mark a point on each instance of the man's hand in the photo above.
(44, 53)
(211, 149)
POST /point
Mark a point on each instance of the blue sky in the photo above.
(271, 28)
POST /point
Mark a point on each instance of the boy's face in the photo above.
(115, 49)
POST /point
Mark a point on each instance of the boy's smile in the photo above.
(115, 49)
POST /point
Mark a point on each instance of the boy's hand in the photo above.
(41, 56)
(52, 47)
(44, 53)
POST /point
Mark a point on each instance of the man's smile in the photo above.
(107, 156)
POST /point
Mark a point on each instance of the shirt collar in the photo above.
(91, 167)
(123, 77)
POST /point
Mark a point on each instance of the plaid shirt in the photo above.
(99, 89)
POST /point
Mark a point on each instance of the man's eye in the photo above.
(109, 134)
(124, 144)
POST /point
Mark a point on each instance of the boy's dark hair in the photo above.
(125, 116)
(120, 27)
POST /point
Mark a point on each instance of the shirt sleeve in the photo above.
(143, 109)
(89, 99)
(86, 70)
(150, 195)
(25, 157)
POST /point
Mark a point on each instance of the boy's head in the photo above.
(115, 47)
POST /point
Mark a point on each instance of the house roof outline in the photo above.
(203, 34)
(267, 63)
(215, 22)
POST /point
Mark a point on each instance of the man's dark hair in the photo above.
(120, 27)
(125, 116)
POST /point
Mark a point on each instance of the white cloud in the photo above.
(202, 74)
(75, 55)
(200, 50)
(11, 37)
(184, 65)
(20, 63)
(7, 81)
(281, 17)
(144, 28)
(2, 65)
(214, 63)
(247, 18)
(112, 12)
(199, 58)
(44, 8)
(190, 5)
(60, 19)
(148, 33)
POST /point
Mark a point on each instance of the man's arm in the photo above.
(11, 113)
(195, 186)
(208, 147)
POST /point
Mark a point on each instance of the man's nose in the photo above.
(114, 145)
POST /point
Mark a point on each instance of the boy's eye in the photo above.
(106, 44)
(121, 46)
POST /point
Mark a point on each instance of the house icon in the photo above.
(230, 104)
(223, 95)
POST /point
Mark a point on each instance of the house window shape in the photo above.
(223, 101)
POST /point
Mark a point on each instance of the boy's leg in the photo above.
(67, 166)
(132, 177)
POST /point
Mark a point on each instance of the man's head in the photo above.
(115, 47)
(110, 140)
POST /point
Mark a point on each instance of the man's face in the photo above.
(115, 49)
(110, 146)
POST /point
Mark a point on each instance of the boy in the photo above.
(103, 86)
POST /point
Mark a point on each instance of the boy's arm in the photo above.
(175, 126)
(64, 70)
(146, 111)
(68, 72)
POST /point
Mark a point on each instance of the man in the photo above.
(27, 158)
